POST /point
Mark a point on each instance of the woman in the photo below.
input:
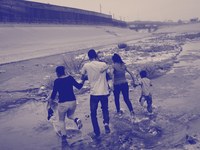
(63, 85)
(120, 83)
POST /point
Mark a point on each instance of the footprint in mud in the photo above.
(86, 142)
(76, 141)
(73, 133)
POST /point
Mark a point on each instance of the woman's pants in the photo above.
(66, 108)
(124, 88)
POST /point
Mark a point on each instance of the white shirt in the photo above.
(146, 86)
(97, 78)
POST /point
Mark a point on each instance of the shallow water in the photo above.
(26, 127)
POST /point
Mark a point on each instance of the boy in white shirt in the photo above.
(146, 95)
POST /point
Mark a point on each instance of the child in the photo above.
(145, 84)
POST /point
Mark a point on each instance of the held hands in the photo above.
(110, 90)
(134, 84)
(84, 77)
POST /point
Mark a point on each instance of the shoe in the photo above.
(142, 100)
(132, 113)
(149, 109)
(150, 113)
(95, 136)
(132, 116)
(107, 129)
(120, 113)
(64, 139)
(78, 123)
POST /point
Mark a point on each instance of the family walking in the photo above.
(102, 79)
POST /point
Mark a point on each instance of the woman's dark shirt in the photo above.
(64, 87)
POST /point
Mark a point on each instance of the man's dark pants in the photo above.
(94, 101)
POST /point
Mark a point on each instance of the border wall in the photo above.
(20, 11)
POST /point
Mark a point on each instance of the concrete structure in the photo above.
(20, 11)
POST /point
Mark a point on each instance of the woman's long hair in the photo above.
(117, 59)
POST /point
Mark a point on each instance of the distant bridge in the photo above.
(149, 27)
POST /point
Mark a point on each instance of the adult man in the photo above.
(99, 90)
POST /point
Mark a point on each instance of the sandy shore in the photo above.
(175, 99)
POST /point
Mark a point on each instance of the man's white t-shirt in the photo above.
(97, 78)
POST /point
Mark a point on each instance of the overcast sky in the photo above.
(129, 10)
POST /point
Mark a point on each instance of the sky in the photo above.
(131, 10)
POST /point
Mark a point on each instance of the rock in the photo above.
(122, 45)
(87, 116)
(127, 48)
(2, 71)
(191, 140)
(176, 61)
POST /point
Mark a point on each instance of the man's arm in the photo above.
(84, 74)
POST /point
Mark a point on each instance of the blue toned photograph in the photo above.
(99, 74)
